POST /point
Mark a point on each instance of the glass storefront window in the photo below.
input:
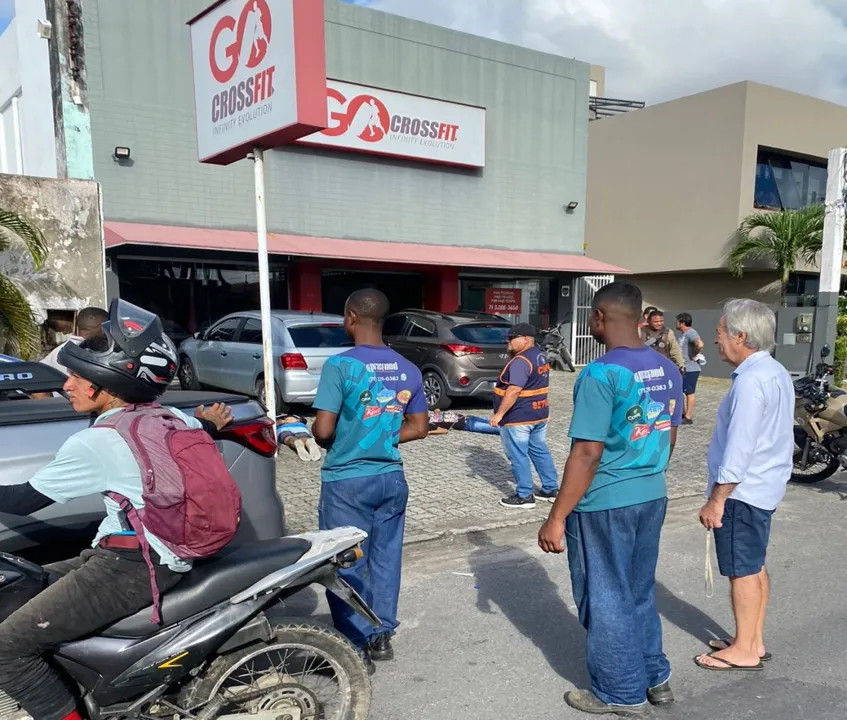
(190, 296)
(784, 182)
(535, 298)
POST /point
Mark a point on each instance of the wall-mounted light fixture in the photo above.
(121, 154)
(571, 206)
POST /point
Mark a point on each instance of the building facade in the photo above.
(428, 231)
(669, 184)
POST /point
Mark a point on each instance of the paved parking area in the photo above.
(456, 480)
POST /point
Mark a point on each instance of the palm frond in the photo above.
(14, 226)
(18, 331)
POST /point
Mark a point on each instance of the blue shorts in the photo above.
(689, 382)
(742, 542)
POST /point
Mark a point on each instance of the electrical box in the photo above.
(803, 324)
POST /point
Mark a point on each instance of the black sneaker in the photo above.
(687, 421)
(516, 502)
(661, 694)
(549, 496)
(380, 648)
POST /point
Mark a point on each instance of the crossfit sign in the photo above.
(259, 75)
(381, 122)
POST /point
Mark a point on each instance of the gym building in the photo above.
(452, 175)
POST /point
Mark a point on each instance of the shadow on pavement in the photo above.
(491, 466)
(514, 582)
(830, 486)
(688, 617)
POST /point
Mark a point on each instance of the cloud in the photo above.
(657, 50)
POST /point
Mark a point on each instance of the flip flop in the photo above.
(767, 657)
(314, 450)
(730, 667)
(302, 452)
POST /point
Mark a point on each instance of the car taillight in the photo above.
(462, 350)
(293, 361)
(257, 435)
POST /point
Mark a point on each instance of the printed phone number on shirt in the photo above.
(652, 388)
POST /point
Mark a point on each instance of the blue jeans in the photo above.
(476, 424)
(377, 505)
(612, 556)
(523, 443)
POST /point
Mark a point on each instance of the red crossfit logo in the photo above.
(365, 114)
(248, 40)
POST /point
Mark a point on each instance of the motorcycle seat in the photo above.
(212, 581)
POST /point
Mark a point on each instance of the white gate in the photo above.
(585, 348)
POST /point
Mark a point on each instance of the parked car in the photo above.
(228, 356)
(31, 431)
(460, 354)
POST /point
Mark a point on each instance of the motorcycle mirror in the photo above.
(825, 351)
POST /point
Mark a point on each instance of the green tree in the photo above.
(780, 238)
(18, 331)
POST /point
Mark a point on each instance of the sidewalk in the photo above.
(456, 480)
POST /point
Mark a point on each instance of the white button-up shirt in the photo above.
(753, 444)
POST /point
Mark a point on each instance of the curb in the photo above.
(678, 508)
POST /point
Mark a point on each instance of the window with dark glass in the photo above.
(251, 333)
(224, 332)
(421, 328)
(788, 182)
(393, 325)
(319, 336)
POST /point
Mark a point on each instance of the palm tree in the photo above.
(781, 238)
(18, 331)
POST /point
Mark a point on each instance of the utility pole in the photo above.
(831, 254)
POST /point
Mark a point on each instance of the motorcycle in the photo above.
(218, 656)
(555, 347)
(820, 430)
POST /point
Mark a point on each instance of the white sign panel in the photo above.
(259, 75)
(382, 122)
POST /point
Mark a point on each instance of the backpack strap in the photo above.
(135, 523)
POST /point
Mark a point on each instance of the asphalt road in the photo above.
(489, 630)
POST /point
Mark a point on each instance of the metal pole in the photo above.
(264, 282)
(831, 254)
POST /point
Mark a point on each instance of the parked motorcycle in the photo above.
(820, 429)
(218, 656)
(555, 347)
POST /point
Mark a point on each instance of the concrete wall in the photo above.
(68, 214)
(140, 95)
(705, 289)
(25, 73)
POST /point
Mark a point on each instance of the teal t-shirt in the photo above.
(370, 389)
(628, 399)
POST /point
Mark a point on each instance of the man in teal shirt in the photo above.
(627, 407)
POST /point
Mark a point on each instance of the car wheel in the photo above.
(435, 391)
(281, 405)
(188, 375)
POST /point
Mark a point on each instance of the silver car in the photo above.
(228, 356)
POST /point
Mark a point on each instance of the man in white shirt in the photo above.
(88, 326)
(750, 462)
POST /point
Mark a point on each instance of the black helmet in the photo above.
(133, 360)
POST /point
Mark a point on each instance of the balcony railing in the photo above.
(600, 107)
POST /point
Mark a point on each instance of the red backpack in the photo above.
(191, 502)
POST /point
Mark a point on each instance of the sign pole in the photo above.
(832, 251)
(264, 282)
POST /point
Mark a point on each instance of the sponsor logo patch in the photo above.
(372, 411)
(404, 396)
(663, 424)
(385, 396)
(639, 432)
(671, 406)
(366, 397)
(634, 414)
(653, 410)
(394, 409)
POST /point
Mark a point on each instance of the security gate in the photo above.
(585, 348)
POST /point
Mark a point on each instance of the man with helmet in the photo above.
(131, 362)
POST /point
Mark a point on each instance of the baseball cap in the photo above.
(522, 330)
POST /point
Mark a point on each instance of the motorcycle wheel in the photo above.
(307, 667)
(804, 477)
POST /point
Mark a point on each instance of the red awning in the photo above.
(122, 233)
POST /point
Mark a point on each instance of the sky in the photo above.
(655, 50)
(7, 12)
